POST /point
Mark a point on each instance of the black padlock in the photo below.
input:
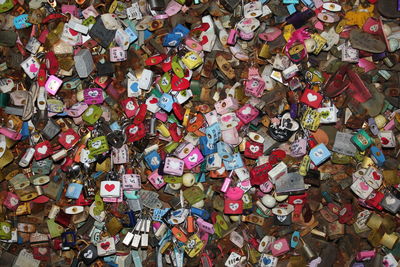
(100, 34)
(88, 252)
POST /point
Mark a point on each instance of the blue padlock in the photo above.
(21, 22)
(74, 190)
(166, 102)
(205, 215)
(206, 147)
(235, 163)
(377, 156)
(68, 239)
(319, 154)
(213, 133)
(224, 151)
(153, 159)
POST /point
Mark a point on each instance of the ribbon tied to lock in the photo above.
(295, 47)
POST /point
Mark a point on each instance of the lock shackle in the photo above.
(79, 246)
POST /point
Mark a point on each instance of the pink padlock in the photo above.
(11, 201)
(232, 38)
(226, 184)
(231, 136)
(229, 104)
(131, 182)
(365, 255)
(279, 247)
(53, 84)
(247, 113)
(156, 180)
(93, 96)
(194, 158)
(255, 86)
(205, 226)
(234, 193)
(173, 166)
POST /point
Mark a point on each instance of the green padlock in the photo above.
(171, 146)
(55, 230)
(165, 82)
(362, 140)
(177, 67)
(5, 230)
(97, 146)
(92, 114)
(342, 159)
(89, 21)
(193, 194)
(170, 179)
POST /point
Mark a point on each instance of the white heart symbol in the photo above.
(233, 206)
(278, 246)
(42, 150)
(254, 149)
(89, 112)
(42, 250)
(174, 164)
(133, 130)
(246, 111)
(390, 200)
(130, 106)
(13, 201)
(93, 93)
(96, 144)
(88, 254)
(6, 229)
(311, 97)
(154, 161)
(69, 138)
(374, 28)
(193, 158)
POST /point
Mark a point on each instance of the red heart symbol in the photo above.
(153, 101)
(72, 32)
(384, 140)
(376, 176)
(33, 68)
(109, 187)
(105, 246)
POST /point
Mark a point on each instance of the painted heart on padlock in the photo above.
(109, 187)
(42, 150)
(33, 68)
(13, 201)
(210, 160)
(254, 149)
(233, 206)
(246, 111)
(89, 112)
(193, 158)
(311, 97)
(69, 138)
(384, 140)
(174, 164)
(42, 251)
(226, 118)
(374, 28)
(130, 106)
(288, 123)
(93, 93)
(278, 246)
(88, 254)
(364, 186)
(133, 130)
(155, 161)
(134, 87)
(96, 144)
(325, 114)
(281, 218)
(6, 229)
(390, 200)
(376, 176)
(105, 246)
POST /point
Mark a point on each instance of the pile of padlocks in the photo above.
(199, 133)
